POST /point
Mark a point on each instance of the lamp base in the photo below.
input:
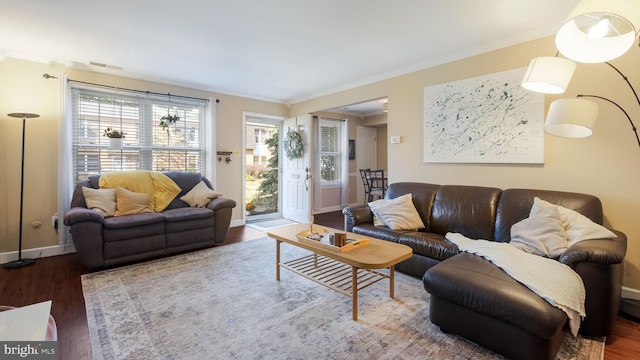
(19, 263)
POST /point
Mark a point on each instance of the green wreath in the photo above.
(293, 146)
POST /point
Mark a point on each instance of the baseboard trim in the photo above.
(328, 209)
(236, 223)
(630, 293)
(37, 253)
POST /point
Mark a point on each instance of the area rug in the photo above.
(225, 303)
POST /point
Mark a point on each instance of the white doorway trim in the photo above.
(367, 150)
(271, 119)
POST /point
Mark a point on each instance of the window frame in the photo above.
(339, 153)
(144, 143)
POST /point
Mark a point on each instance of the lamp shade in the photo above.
(571, 118)
(548, 75)
(599, 30)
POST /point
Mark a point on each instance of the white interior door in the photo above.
(297, 184)
(367, 154)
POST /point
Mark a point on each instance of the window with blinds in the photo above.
(146, 145)
(330, 149)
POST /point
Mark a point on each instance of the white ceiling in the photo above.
(279, 50)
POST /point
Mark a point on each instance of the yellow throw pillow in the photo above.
(129, 202)
(100, 200)
(200, 195)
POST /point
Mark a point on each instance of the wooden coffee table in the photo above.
(346, 272)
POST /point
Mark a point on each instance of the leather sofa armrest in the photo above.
(600, 251)
(222, 207)
(86, 231)
(355, 215)
(79, 214)
(220, 203)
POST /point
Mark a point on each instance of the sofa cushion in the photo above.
(431, 245)
(200, 195)
(188, 213)
(540, 234)
(398, 213)
(129, 221)
(129, 202)
(475, 283)
(577, 226)
(384, 233)
(101, 200)
(469, 210)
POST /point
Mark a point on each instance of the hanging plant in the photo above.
(293, 146)
(168, 120)
(113, 134)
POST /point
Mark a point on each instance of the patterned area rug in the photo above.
(224, 303)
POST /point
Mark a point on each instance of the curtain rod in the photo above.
(140, 91)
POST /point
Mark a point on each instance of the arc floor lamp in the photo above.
(21, 262)
(596, 31)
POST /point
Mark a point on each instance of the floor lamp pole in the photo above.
(21, 262)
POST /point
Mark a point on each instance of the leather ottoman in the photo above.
(477, 300)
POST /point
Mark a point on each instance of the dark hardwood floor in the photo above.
(58, 278)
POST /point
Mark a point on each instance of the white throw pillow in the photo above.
(398, 213)
(377, 220)
(541, 234)
(577, 226)
(100, 200)
(200, 195)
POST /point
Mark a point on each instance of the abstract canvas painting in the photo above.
(486, 119)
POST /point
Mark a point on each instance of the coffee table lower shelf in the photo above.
(336, 275)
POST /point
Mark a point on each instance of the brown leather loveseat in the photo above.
(104, 241)
(477, 300)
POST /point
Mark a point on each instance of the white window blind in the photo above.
(146, 146)
(330, 151)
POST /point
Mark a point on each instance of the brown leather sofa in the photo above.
(101, 241)
(475, 299)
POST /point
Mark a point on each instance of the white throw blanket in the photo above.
(552, 280)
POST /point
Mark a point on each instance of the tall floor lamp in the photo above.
(596, 31)
(21, 262)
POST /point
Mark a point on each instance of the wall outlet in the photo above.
(54, 221)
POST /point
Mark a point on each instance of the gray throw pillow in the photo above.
(541, 234)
